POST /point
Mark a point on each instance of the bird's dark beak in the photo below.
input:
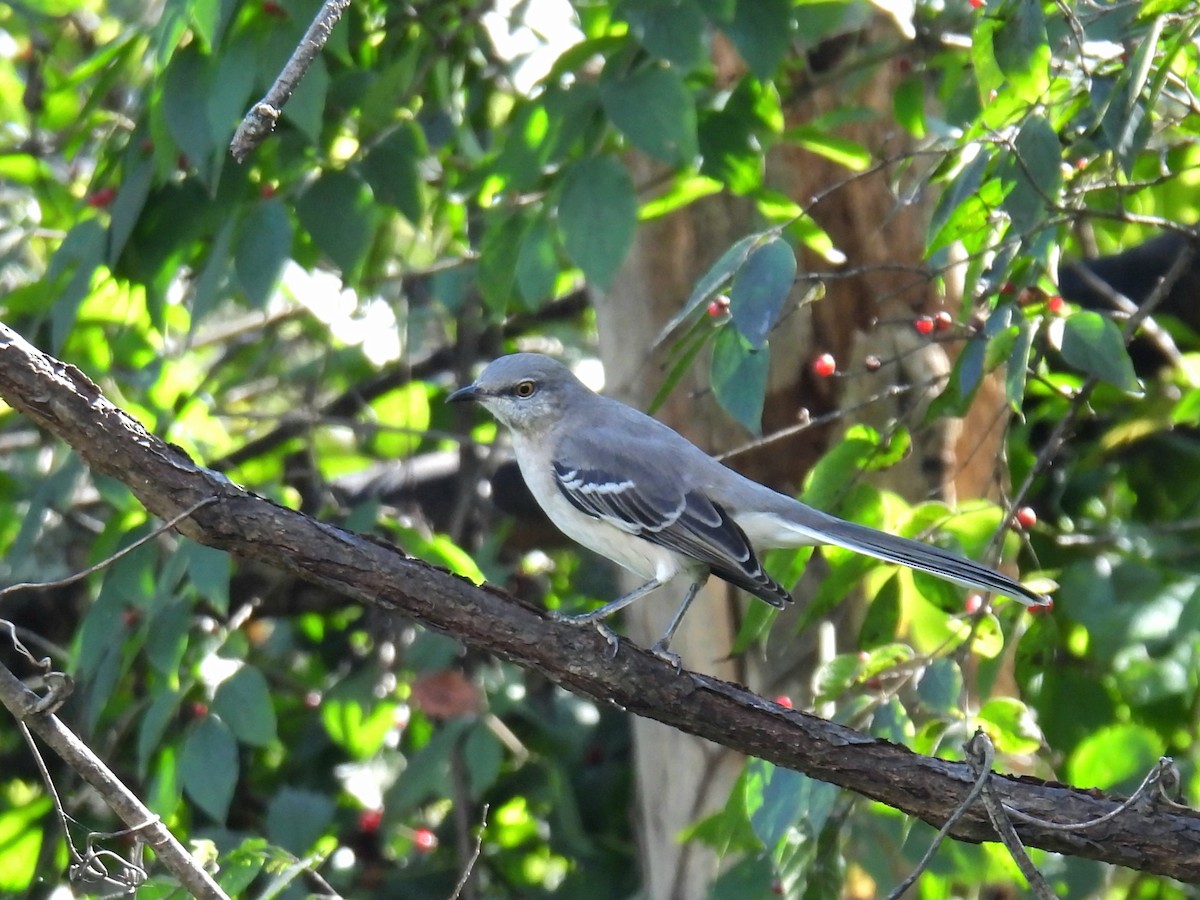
(470, 392)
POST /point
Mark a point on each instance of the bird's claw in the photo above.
(614, 642)
(660, 650)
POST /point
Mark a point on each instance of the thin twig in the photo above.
(981, 753)
(107, 561)
(1154, 779)
(967, 803)
(470, 867)
(261, 119)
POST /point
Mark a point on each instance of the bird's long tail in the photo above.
(820, 527)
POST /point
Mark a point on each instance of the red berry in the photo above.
(923, 324)
(199, 710)
(784, 700)
(1081, 163)
(824, 365)
(267, 191)
(943, 320)
(872, 363)
(312, 699)
(719, 306)
(425, 840)
(271, 8)
(131, 617)
(1044, 609)
(1007, 288)
(1024, 518)
(977, 4)
(102, 198)
(974, 604)
(369, 820)
(1055, 304)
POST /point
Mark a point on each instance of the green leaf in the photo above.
(1010, 725)
(499, 253)
(882, 620)
(297, 818)
(1021, 49)
(355, 718)
(167, 637)
(392, 168)
(21, 834)
(80, 252)
(264, 245)
(1093, 344)
(673, 31)
(760, 290)
(243, 701)
(597, 216)
(208, 766)
(892, 722)
(209, 570)
(739, 378)
(1118, 756)
(1036, 173)
(153, 724)
(210, 286)
(653, 108)
(128, 204)
(484, 756)
(843, 151)
(240, 867)
(713, 280)
(762, 32)
(750, 876)
(729, 151)
(537, 263)
(940, 688)
(338, 212)
(908, 105)
(184, 102)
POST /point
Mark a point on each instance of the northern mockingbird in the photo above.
(631, 489)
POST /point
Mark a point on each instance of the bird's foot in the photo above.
(660, 650)
(607, 633)
(614, 642)
(578, 619)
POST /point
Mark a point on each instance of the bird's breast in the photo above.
(635, 553)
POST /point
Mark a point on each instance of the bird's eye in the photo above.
(525, 389)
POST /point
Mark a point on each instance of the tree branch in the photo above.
(63, 400)
(261, 119)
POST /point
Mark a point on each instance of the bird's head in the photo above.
(527, 392)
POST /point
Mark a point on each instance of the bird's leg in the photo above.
(660, 646)
(595, 616)
(590, 618)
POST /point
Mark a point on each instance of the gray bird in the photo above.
(631, 489)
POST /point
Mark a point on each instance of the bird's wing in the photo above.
(625, 491)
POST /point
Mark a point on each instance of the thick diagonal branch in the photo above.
(64, 401)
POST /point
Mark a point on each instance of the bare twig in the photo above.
(967, 802)
(981, 754)
(470, 867)
(261, 119)
(104, 563)
(22, 704)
